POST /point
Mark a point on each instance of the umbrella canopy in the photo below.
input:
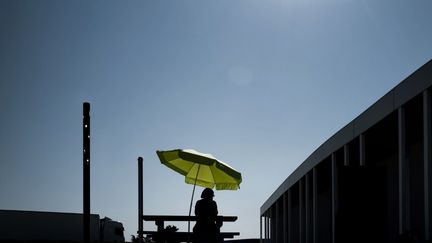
(201, 169)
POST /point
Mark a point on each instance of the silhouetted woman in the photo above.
(206, 228)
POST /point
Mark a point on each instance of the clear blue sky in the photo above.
(259, 84)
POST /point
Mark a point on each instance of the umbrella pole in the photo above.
(190, 207)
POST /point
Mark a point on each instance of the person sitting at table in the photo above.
(207, 227)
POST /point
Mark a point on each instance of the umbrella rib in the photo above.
(214, 181)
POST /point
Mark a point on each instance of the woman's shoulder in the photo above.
(205, 202)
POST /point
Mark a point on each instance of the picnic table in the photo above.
(161, 235)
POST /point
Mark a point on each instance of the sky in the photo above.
(259, 84)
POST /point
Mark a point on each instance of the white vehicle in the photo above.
(53, 226)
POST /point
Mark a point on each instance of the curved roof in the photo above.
(413, 85)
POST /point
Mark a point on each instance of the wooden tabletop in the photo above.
(182, 218)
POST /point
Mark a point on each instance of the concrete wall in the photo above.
(31, 225)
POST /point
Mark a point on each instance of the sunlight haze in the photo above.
(257, 84)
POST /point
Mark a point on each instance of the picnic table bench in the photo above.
(161, 235)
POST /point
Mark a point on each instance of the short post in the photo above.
(140, 199)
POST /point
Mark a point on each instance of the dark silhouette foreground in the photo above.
(207, 227)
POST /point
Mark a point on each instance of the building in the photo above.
(369, 182)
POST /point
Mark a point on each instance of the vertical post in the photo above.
(362, 150)
(290, 222)
(140, 199)
(285, 218)
(301, 207)
(272, 225)
(267, 227)
(427, 146)
(334, 195)
(86, 172)
(402, 171)
(261, 231)
(277, 220)
(307, 208)
(314, 205)
(346, 155)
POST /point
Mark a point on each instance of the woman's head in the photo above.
(207, 193)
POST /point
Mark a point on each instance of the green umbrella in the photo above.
(201, 169)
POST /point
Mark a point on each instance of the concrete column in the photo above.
(308, 206)
(346, 155)
(285, 218)
(265, 227)
(261, 231)
(277, 220)
(402, 171)
(290, 222)
(362, 150)
(427, 150)
(272, 224)
(269, 227)
(301, 208)
(314, 205)
(334, 195)
(269, 219)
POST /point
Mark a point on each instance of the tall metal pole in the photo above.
(140, 199)
(86, 172)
